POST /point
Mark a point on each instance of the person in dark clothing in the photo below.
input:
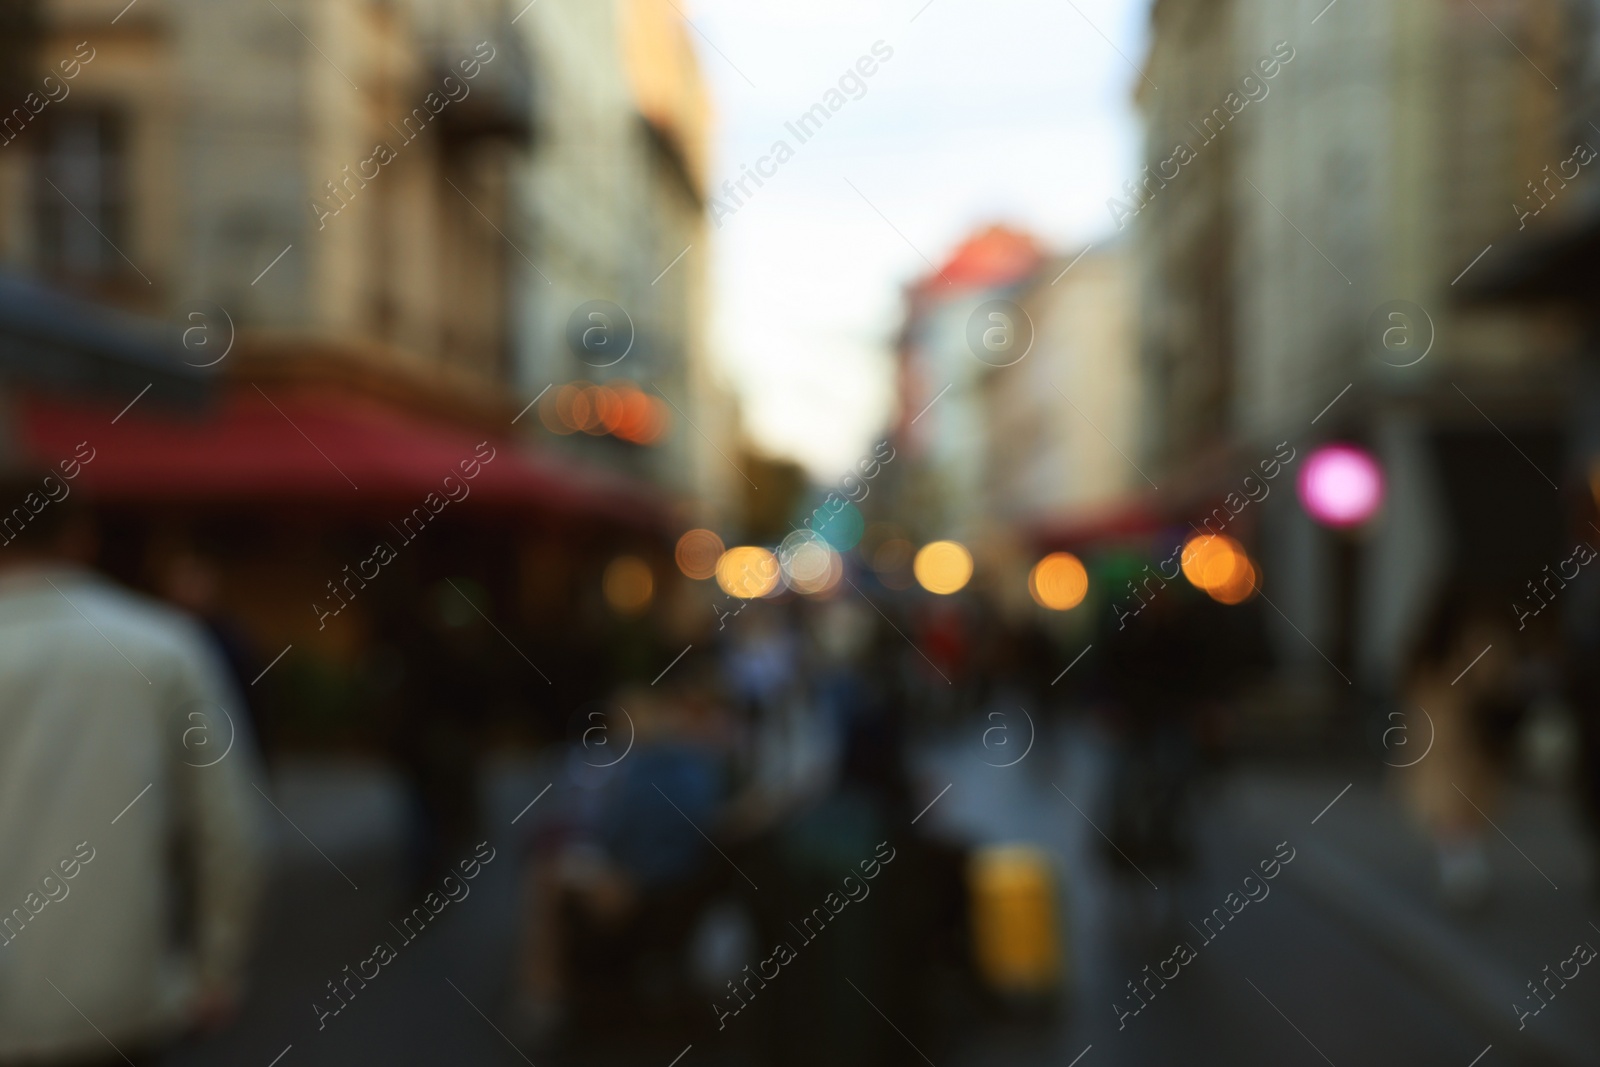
(434, 728)
(191, 581)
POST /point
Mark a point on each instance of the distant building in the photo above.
(1019, 399)
(943, 421)
(1064, 420)
(614, 202)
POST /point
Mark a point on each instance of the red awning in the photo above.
(304, 447)
(1128, 520)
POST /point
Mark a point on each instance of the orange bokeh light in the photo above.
(697, 554)
(1058, 582)
(1220, 566)
(628, 585)
(573, 409)
(607, 408)
(1210, 561)
(645, 420)
(1241, 586)
(619, 408)
(551, 412)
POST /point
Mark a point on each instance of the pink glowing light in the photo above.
(1341, 485)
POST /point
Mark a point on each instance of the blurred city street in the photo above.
(723, 533)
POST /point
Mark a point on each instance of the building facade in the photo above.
(613, 198)
(1066, 415)
(420, 194)
(1317, 180)
(374, 221)
(944, 370)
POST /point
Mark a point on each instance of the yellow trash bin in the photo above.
(1017, 942)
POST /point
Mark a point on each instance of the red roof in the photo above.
(257, 447)
(994, 257)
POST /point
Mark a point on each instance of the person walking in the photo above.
(130, 853)
(1451, 789)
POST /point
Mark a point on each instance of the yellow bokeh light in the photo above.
(1058, 582)
(1211, 561)
(628, 585)
(943, 567)
(747, 572)
(697, 554)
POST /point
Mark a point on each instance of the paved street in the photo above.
(316, 924)
(1295, 978)
(1283, 983)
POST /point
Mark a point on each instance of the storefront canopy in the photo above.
(1130, 519)
(280, 446)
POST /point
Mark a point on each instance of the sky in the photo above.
(1012, 111)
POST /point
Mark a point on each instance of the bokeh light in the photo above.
(1241, 586)
(1221, 567)
(697, 554)
(551, 411)
(828, 583)
(1341, 485)
(843, 528)
(640, 418)
(609, 406)
(1211, 560)
(810, 565)
(628, 585)
(619, 408)
(891, 560)
(803, 555)
(943, 567)
(592, 409)
(893, 555)
(573, 407)
(747, 572)
(1058, 582)
(879, 532)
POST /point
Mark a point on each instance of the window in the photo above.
(81, 197)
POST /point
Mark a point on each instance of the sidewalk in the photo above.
(1369, 866)
(337, 824)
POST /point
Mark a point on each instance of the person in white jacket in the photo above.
(130, 847)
